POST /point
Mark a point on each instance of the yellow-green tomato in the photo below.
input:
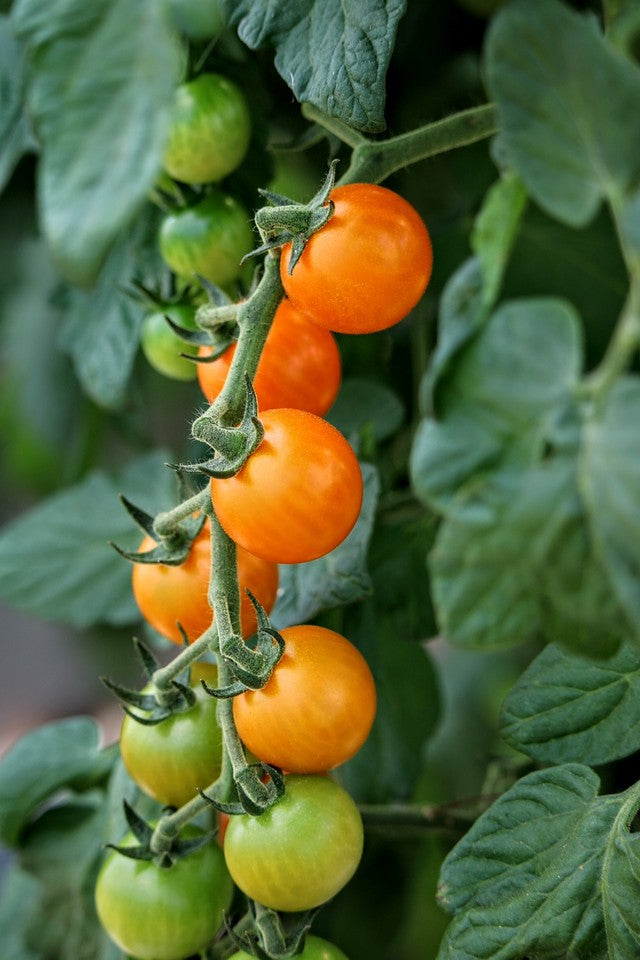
(209, 239)
(163, 348)
(209, 131)
(159, 913)
(314, 949)
(170, 760)
(301, 851)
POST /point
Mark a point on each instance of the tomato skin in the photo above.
(169, 595)
(317, 708)
(297, 496)
(210, 238)
(162, 347)
(314, 949)
(170, 760)
(367, 267)
(155, 913)
(301, 851)
(210, 130)
(300, 366)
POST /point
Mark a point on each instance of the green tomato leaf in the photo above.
(365, 403)
(564, 97)
(16, 137)
(609, 478)
(338, 578)
(491, 591)
(42, 762)
(102, 327)
(19, 903)
(63, 849)
(473, 289)
(567, 708)
(331, 53)
(495, 230)
(56, 560)
(540, 873)
(101, 81)
(500, 401)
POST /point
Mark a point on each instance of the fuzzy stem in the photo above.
(165, 523)
(372, 161)
(255, 317)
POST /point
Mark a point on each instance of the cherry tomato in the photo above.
(210, 130)
(163, 348)
(367, 267)
(209, 239)
(299, 367)
(170, 760)
(297, 496)
(316, 710)
(314, 949)
(158, 913)
(301, 851)
(168, 595)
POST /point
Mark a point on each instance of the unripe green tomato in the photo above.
(158, 913)
(209, 239)
(209, 132)
(314, 949)
(197, 19)
(301, 851)
(162, 347)
(172, 759)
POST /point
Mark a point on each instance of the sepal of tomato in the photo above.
(301, 851)
(299, 366)
(173, 759)
(299, 493)
(209, 238)
(314, 949)
(156, 913)
(316, 710)
(367, 267)
(171, 595)
(210, 130)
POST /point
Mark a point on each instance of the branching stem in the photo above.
(372, 161)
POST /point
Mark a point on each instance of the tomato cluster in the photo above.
(296, 497)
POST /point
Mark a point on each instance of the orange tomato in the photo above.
(367, 267)
(299, 493)
(317, 708)
(168, 595)
(299, 367)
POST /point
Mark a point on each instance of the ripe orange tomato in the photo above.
(317, 708)
(299, 367)
(168, 595)
(367, 267)
(299, 493)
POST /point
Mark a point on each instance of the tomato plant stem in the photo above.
(163, 677)
(165, 523)
(455, 816)
(255, 317)
(372, 161)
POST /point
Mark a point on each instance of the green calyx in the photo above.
(150, 707)
(174, 530)
(144, 833)
(271, 936)
(284, 221)
(233, 445)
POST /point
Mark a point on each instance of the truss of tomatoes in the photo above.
(295, 499)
